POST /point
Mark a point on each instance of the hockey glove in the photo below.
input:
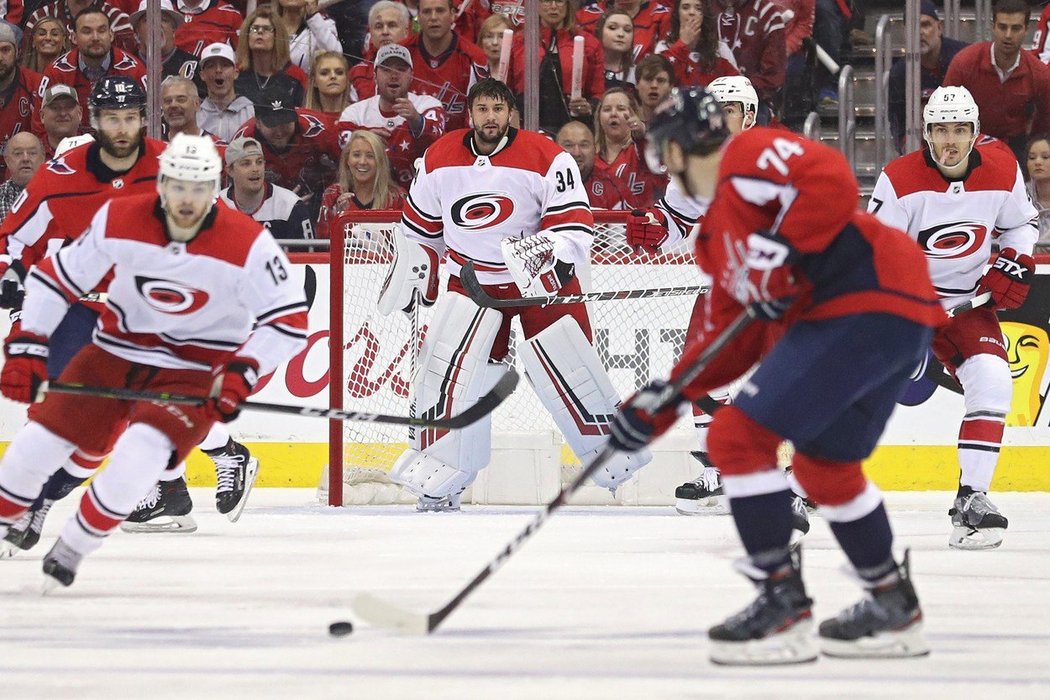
(26, 366)
(12, 290)
(533, 265)
(646, 230)
(639, 422)
(766, 282)
(238, 382)
(1008, 279)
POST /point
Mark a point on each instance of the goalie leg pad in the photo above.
(428, 476)
(567, 376)
(454, 372)
(415, 268)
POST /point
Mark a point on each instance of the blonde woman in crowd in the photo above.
(49, 40)
(264, 59)
(619, 132)
(364, 181)
(490, 39)
(329, 86)
(309, 31)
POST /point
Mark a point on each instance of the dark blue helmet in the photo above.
(692, 118)
(116, 92)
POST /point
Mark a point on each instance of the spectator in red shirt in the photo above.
(490, 39)
(19, 89)
(388, 23)
(263, 60)
(693, 46)
(655, 76)
(754, 32)
(364, 182)
(650, 20)
(603, 191)
(618, 130)
(445, 64)
(557, 43)
(68, 10)
(48, 40)
(616, 32)
(329, 88)
(93, 58)
(207, 22)
(1010, 86)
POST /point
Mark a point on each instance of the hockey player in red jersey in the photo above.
(201, 296)
(512, 203)
(784, 243)
(955, 199)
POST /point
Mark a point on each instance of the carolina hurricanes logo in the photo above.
(170, 297)
(483, 210)
(958, 239)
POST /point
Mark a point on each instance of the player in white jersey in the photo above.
(511, 202)
(666, 226)
(201, 302)
(955, 199)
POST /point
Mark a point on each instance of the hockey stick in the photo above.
(384, 614)
(485, 405)
(935, 371)
(468, 277)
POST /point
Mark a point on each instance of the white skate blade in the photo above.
(251, 470)
(715, 505)
(380, 613)
(184, 524)
(900, 644)
(971, 539)
(793, 646)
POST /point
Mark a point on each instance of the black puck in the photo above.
(340, 629)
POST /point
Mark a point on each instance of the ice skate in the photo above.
(60, 566)
(977, 523)
(703, 495)
(774, 629)
(25, 533)
(235, 472)
(444, 504)
(166, 508)
(886, 624)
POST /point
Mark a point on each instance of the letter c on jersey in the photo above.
(954, 240)
(170, 297)
(483, 210)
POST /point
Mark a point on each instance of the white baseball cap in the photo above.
(218, 50)
(389, 51)
(165, 7)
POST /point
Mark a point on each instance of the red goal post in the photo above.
(373, 356)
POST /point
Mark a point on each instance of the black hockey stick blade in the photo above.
(469, 279)
(485, 405)
(384, 614)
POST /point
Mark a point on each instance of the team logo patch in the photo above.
(58, 165)
(170, 297)
(957, 239)
(483, 210)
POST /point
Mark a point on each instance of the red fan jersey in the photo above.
(66, 70)
(16, 108)
(687, 68)
(592, 78)
(58, 203)
(651, 24)
(215, 22)
(449, 76)
(332, 220)
(641, 187)
(754, 32)
(403, 146)
(603, 190)
(309, 162)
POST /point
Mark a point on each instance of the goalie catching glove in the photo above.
(765, 282)
(1008, 279)
(535, 266)
(26, 366)
(646, 230)
(639, 421)
(234, 386)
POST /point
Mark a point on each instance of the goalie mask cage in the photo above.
(373, 358)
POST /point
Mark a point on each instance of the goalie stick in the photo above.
(468, 277)
(485, 405)
(384, 614)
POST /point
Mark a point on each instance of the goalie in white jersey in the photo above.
(513, 203)
(955, 199)
(201, 303)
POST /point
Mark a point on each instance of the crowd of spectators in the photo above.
(330, 102)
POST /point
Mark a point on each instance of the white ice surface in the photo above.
(602, 603)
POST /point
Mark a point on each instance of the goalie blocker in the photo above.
(463, 357)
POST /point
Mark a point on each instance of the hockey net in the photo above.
(373, 357)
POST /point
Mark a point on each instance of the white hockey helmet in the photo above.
(191, 159)
(736, 88)
(949, 104)
(71, 142)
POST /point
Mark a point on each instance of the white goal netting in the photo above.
(373, 356)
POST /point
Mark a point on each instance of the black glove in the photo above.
(12, 289)
(639, 421)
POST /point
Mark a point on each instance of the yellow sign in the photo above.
(1027, 348)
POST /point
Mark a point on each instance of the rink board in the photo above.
(917, 451)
